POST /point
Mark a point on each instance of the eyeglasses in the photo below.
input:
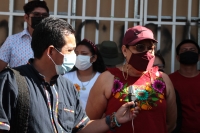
(143, 47)
(38, 14)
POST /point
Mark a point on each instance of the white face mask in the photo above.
(68, 63)
(83, 62)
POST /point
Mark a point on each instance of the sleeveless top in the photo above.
(150, 90)
(72, 76)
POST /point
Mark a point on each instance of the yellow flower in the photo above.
(148, 88)
(146, 107)
(160, 96)
(77, 87)
(117, 95)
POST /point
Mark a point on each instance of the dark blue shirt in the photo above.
(53, 106)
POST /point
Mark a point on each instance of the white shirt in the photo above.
(72, 76)
(16, 50)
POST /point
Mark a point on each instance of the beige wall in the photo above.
(104, 26)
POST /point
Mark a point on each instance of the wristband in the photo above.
(108, 122)
(115, 119)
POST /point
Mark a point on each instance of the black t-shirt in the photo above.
(53, 106)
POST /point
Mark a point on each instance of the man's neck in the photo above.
(188, 71)
(30, 30)
(44, 69)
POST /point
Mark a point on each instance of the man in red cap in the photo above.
(137, 78)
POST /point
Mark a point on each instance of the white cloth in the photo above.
(16, 50)
(72, 76)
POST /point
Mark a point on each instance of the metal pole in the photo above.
(73, 13)
(173, 37)
(10, 24)
(198, 24)
(135, 11)
(189, 16)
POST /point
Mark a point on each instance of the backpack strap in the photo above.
(23, 104)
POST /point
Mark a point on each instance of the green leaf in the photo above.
(154, 99)
(125, 85)
(126, 99)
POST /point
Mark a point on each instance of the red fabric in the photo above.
(142, 61)
(147, 121)
(189, 93)
(136, 34)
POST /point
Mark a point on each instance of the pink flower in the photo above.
(159, 85)
(117, 86)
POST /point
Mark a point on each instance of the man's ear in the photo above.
(26, 17)
(50, 50)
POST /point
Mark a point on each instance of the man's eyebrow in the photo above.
(67, 47)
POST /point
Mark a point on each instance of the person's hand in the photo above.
(124, 114)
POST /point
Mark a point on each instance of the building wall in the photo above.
(104, 26)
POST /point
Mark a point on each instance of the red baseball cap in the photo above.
(136, 34)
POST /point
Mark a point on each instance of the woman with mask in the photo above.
(152, 89)
(89, 64)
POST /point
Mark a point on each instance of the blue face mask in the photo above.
(68, 63)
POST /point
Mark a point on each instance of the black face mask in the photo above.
(35, 21)
(189, 58)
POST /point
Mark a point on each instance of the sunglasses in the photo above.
(143, 47)
(38, 14)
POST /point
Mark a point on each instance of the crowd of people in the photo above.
(49, 83)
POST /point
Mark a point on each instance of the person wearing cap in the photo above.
(151, 89)
(186, 83)
(110, 54)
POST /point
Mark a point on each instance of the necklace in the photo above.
(84, 86)
(125, 77)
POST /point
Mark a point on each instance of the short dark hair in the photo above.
(161, 58)
(30, 6)
(98, 65)
(184, 42)
(50, 31)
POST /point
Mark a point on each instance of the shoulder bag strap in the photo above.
(23, 104)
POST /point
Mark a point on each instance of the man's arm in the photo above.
(2, 66)
(8, 91)
(123, 115)
(5, 53)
